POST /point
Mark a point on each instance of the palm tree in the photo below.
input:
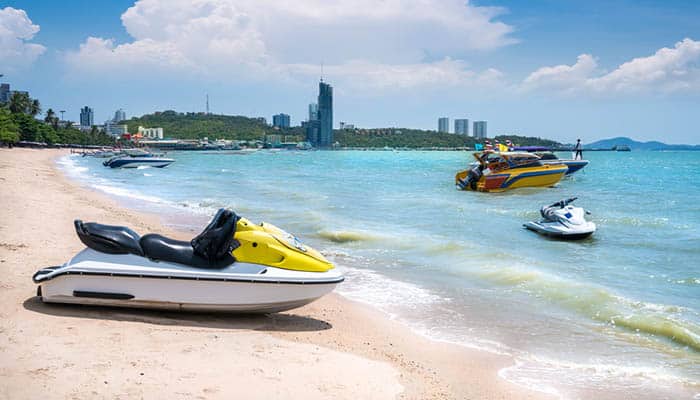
(51, 118)
(19, 103)
(50, 115)
(34, 108)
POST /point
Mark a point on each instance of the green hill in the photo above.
(635, 145)
(199, 125)
(395, 137)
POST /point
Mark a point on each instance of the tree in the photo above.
(51, 118)
(34, 108)
(8, 129)
(19, 103)
(29, 128)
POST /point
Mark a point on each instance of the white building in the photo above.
(151, 133)
(462, 126)
(480, 130)
(444, 125)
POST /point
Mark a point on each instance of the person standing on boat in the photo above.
(579, 150)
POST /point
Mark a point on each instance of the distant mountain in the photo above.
(635, 145)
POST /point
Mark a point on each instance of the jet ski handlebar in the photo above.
(563, 203)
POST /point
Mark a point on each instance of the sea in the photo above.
(610, 317)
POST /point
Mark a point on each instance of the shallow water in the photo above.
(614, 316)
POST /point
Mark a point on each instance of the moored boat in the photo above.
(497, 172)
(134, 158)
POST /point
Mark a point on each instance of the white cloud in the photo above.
(384, 43)
(16, 30)
(446, 73)
(668, 70)
(563, 77)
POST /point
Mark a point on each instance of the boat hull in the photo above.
(557, 231)
(573, 165)
(140, 162)
(127, 280)
(543, 176)
(181, 295)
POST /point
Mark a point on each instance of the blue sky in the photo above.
(557, 69)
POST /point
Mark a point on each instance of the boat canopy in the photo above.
(506, 160)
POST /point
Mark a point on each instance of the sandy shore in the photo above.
(333, 348)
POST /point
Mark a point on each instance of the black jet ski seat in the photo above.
(210, 249)
(109, 239)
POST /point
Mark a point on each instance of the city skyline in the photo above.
(553, 70)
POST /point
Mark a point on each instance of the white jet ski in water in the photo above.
(233, 265)
(561, 220)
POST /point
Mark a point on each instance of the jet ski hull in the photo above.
(93, 278)
(558, 231)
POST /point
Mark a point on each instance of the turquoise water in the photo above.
(614, 316)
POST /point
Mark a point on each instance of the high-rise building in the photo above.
(325, 115)
(119, 116)
(86, 117)
(4, 92)
(281, 121)
(480, 129)
(313, 112)
(444, 125)
(312, 129)
(462, 126)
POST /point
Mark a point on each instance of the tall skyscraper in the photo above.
(313, 112)
(281, 121)
(119, 116)
(5, 92)
(325, 115)
(480, 129)
(86, 117)
(462, 126)
(444, 125)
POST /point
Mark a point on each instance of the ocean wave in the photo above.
(388, 295)
(347, 236)
(128, 193)
(636, 222)
(601, 305)
(533, 371)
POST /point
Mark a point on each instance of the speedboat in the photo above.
(134, 158)
(572, 164)
(233, 266)
(549, 157)
(497, 172)
(561, 220)
(100, 154)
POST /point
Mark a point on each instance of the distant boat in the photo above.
(621, 147)
(134, 158)
(245, 151)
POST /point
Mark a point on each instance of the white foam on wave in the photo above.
(370, 287)
(69, 165)
(532, 372)
(128, 193)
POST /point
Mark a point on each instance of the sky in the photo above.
(557, 69)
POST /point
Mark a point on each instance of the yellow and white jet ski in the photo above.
(233, 265)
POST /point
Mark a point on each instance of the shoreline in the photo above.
(333, 347)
